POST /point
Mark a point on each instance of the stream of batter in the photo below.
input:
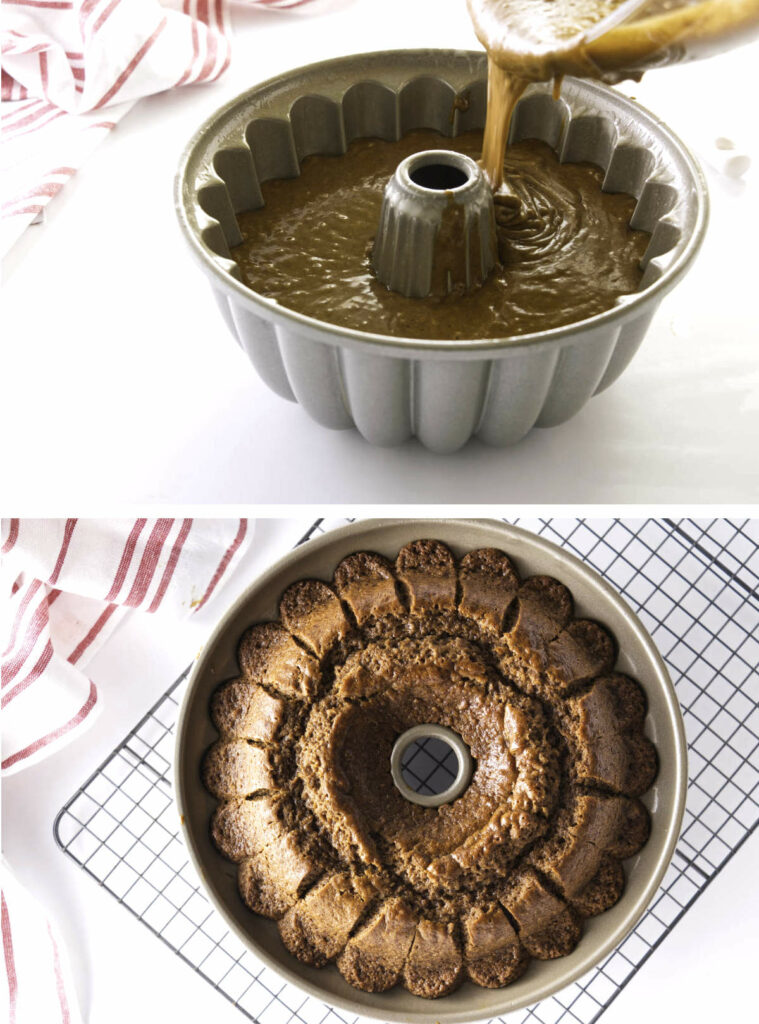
(539, 40)
(566, 249)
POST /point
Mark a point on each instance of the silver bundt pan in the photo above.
(593, 598)
(442, 392)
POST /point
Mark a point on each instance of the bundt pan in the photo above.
(593, 598)
(442, 392)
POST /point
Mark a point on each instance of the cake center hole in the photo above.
(438, 177)
(430, 765)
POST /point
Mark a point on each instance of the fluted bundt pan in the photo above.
(608, 796)
(442, 392)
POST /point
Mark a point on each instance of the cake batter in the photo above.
(566, 248)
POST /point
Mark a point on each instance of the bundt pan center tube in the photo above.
(436, 232)
(406, 743)
(441, 391)
(530, 556)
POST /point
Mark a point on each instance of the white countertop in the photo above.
(125, 367)
(704, 971)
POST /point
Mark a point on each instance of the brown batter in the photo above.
(567, 251)
(536, 40)
(539, 39)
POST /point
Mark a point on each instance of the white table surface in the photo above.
(704, 971)
(129, 387)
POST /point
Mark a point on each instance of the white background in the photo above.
(122, 383)
(704, 971)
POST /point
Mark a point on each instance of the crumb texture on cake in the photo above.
(390, 891)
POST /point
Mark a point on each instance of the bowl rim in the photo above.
(674, 721)
(625, 308)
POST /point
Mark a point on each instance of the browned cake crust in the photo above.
(391, 891)
(374, 957)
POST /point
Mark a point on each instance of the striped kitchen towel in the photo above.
(73, 68)
(37, 978)
(66, 584)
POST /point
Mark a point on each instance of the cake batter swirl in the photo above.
(566, 249)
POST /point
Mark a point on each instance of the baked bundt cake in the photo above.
(391, 891)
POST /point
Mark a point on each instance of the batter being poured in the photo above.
(538, 40)
(566, 249)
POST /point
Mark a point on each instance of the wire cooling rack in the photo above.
(694, 585)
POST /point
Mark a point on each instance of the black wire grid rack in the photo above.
(695, 585)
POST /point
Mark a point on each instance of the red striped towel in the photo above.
(66, 61)
(67, 584)
(37, 979)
